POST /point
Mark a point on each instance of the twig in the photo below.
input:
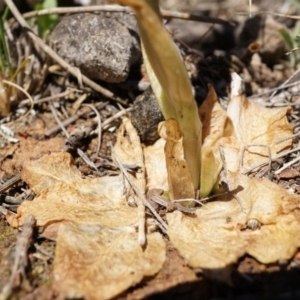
(74, 10)
(9, 183)
(58, 121)
(285, 166)
(72, 70)
(118, 8)
(194, 17)
(47, 99)
(115, 116)
(271, 13)
(247, 147)
(273, 159)
(26, 93)
(43, 251)
(287, 138)
(21, 260)
(99, 129)
(172, 205)
(274, 90)
(72, 119)
(86, 159)
(293, 76)
(19, 199)
(161, 222)
(67, 134)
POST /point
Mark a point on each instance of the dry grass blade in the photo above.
(26, 93)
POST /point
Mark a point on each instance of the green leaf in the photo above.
(290, 43)
(46, 23)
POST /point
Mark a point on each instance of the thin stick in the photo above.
(287, 81)
(26, 93)
(171, 205)
(287, 138)
(21, 260)
(9, 183)
(72, 119)
(72, 70)
(161, 222)
(74, 10)
(249, 146)
(272, 13)
(250, 8)
(58, 121)
(285, 166)
(114, 117)
(47, 99)
(99, 129)
(273, 159)
(274, 90)
(84, 157)
(118, 8)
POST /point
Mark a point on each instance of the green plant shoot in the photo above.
(46, 23)
(169, 80)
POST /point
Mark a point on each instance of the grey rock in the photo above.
(103, 46)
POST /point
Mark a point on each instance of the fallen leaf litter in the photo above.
(95, 211)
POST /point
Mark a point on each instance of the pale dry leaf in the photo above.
(179, 178)
(97, 262)
(216, 126)
(64, 195)
(257, 128)
(219, 235)
(155, 164)
(129, 150)
(97, 240)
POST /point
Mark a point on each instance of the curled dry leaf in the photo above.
(264, 222)
(179, 178)
(216, 126)
(224, 230)
(219, 233)
(98, 253)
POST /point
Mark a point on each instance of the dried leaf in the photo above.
(259, 129)
(155, 165)
(96, 262)
(179, 177)
(220, 233)
(64, 195)
(216, 126)
(99, 253)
